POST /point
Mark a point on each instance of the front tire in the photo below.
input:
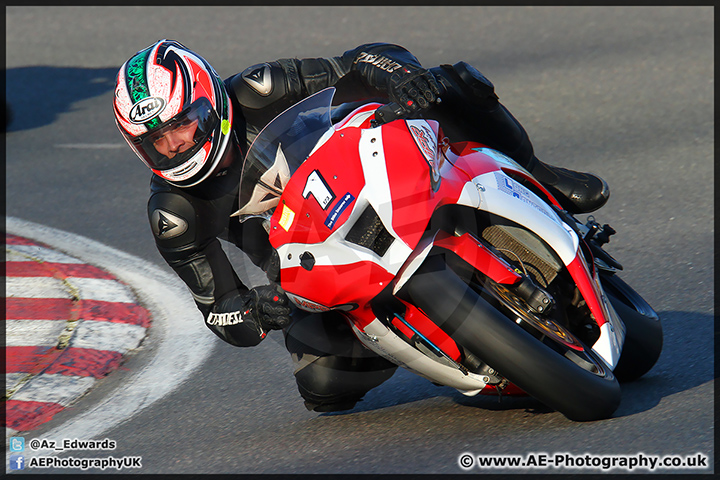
(581, 393)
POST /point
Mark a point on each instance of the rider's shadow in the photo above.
(683, 365)
(36, 95)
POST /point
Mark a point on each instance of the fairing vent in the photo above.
(369, 232)
(520, 246)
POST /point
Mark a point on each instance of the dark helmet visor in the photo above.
(180, 138)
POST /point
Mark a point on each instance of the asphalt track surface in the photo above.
(626, 92)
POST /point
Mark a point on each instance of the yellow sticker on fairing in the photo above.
(286, 218)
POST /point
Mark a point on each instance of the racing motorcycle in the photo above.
(448, 259)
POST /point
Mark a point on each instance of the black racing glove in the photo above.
(258, 310)
(414, 89)
(270, 306)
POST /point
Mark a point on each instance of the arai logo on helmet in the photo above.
(146, 109)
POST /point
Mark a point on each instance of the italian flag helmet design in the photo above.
(164, 88)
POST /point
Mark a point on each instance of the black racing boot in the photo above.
(577, 192)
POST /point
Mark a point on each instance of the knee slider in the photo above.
(333, 369)
(331, 383)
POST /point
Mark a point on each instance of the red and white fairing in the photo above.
(405, 172)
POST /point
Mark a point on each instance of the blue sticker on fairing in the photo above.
(338, 209)
(511, 187)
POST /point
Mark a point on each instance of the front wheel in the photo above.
(572, 380)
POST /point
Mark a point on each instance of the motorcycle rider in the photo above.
(192, 129)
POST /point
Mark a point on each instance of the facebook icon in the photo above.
(17, 462)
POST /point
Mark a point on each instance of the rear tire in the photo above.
(551, 377)
(643, 330)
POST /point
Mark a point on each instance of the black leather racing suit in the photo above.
(187, 222)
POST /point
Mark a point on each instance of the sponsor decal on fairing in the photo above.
(424, 138)
(338, 209)
(426, 141)
(287, 216)
(306, 304)
(509, 186)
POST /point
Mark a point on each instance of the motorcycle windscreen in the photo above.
(277, 152)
